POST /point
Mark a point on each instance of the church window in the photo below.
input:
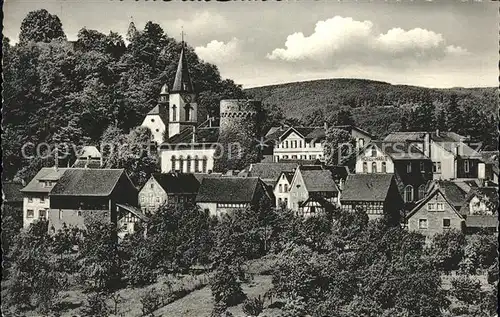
(421, 191)
(408, 193)
(187, 110)
(174, 113)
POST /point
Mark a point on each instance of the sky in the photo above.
(446, 43)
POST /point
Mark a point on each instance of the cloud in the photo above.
(218, 52)
(202, 23)
(342, 40)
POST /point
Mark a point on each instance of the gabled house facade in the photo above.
(220, 195)
(282, 189)
(376, 194)
(36, 199)
(168, 188)
(83, 194)
(434, 214)
(312, 190)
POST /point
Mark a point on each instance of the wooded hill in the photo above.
(376, 106)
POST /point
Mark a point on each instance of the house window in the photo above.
(446, 223)
(280, 188)
(300, 143)
(422, 223)
(286, 188)
(280, 202)
(408, 193)
(30, 213)
(276, 158)
(374, 152)
(173, 162)
(60, 213)
(196, 164)
(79, 213)
(157, 199)
(431, 207)
(42, 199)
(152, 185)
(361, 142)
(304, 157)
(374, 167)
(294, 156)
(440, 207)
(204, 163)
(188, 164)
(466, 166)
(286, 201)
(436, 167)
(421, 191)
(143, 199)
(42, 214)
(365, 167)
(181, 164)
(408, 167)
(286, 144)
(174, 113)
(105, 214)
(152, 120)
(384, 167)
(422, 167)
(285, 157)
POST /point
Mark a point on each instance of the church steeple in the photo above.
(182, 82)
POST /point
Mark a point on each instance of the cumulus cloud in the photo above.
(218, 52)
(341, 40)
(201, 23)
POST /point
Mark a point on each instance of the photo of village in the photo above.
(139, 180)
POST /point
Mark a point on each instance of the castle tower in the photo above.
(239, 132)
(183, 108)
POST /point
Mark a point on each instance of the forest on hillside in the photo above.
(375, 106)
(55, 90)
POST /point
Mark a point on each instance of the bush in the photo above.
(253, 306)
(225, 286)
(466, 290)
(151, 301)
(95, 305)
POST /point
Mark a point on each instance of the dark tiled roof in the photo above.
(481, 221)
(228, 189)
(87, 182)
(420, 135)
(46, 173)
(182, 82)
(11, 192)
(270, 171)
(202, 135)
(317, 180)
(453, 193)
(366, 187)
(177, 182)
(84, 163)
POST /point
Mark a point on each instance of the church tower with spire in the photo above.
(183, 108)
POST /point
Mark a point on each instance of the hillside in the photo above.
(375, 105)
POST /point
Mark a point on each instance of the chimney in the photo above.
(193, 140)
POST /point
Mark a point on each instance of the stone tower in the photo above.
(239, 132)
(183, 109)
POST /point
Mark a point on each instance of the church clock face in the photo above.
(188, 98)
